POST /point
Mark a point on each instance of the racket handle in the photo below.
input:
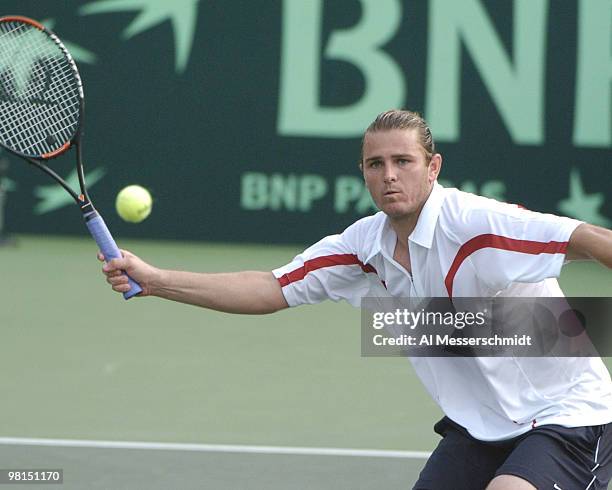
(99, 231)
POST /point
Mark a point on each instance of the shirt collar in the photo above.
(426, 225)
(423, 232)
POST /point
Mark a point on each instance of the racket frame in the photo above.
(93, 220)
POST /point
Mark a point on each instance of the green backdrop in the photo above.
(244, 118)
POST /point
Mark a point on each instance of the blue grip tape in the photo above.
(99, 232)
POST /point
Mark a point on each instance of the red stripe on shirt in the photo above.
(320, 262)
(502, 243)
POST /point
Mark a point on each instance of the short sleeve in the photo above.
(329, 269)
(506, 243)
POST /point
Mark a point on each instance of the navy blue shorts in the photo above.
(548, 457)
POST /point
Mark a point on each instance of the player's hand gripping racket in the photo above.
(41, 111)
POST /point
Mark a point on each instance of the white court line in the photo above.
(215, 448)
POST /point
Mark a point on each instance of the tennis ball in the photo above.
(134, 203)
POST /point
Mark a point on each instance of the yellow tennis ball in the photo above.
(134, 203)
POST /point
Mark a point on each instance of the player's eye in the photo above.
(403, 161)
(375, 164)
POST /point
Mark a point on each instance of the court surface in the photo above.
(150, 394)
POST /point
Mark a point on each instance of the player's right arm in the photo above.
(329, 269)
(249, 292)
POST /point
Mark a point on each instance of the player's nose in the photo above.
(390, 174)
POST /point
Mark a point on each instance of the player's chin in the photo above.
(395, 210)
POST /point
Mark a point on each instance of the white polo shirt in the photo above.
(466, 246)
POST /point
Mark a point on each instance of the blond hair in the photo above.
(403, 119)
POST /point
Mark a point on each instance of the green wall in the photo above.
(244, 118)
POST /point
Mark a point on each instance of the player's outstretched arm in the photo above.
(250, 292)
(591, 243)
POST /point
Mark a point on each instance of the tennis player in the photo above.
(510, 422)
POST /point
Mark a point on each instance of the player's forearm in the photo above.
(591, 242)
(248, 292)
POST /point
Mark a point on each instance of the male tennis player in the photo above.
(511, 422)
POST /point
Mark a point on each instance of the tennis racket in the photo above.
(41, 112)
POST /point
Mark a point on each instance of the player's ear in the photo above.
(362, 174)
(435, 165)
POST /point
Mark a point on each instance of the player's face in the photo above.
(397, 173)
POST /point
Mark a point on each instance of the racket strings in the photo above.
(34, 117)
(39, 91)
(34, 49)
